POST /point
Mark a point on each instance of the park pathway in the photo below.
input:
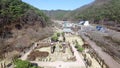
(58, 64)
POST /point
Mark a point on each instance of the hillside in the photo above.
(56, 14)
(11, 11)
(100, 11)
(84, 9)
(21, 25)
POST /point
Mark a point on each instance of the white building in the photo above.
(84, 23)
(67, 27)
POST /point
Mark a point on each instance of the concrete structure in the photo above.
(67, 27)
(84, 23)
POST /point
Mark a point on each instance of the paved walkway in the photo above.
(106, 57)
(60, 64)
(76, 54)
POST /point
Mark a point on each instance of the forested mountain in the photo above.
(85, 9)
(20, 25)
(98, 11)
(16, 10)
(56, 14)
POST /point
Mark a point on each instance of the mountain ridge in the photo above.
(56, 14)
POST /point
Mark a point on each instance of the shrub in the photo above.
(80, 49)
(23, 64)
(63, 33)
(58, 34)
(54, 38)
(76, 46)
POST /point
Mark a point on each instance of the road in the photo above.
(107, 58)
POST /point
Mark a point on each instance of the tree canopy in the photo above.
(12, 10)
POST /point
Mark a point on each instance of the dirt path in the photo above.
(76, 54)
(24, 57)
(107, 58)
(69, 38)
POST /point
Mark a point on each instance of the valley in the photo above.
(86, 37)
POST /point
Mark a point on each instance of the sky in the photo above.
(57, 4)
